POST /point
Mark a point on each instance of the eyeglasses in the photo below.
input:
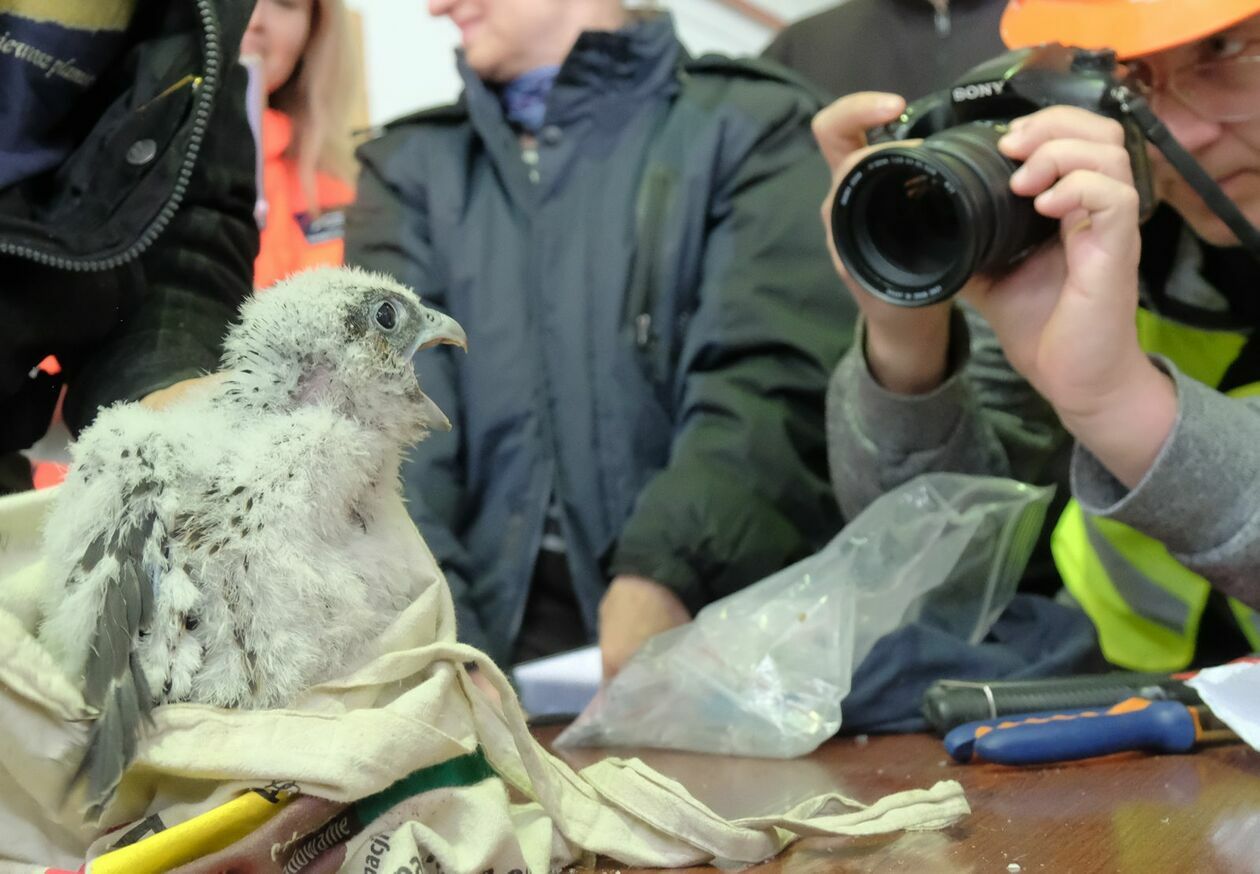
(1223, 89)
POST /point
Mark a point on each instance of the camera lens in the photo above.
(913, 223)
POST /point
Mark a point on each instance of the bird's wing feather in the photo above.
(114, 682)
(110, 576)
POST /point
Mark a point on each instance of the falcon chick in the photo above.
(247, 542)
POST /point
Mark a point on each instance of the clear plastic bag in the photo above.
(763, 672)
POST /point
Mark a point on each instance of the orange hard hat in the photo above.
(1130, 27)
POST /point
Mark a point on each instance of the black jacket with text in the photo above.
(128, 261)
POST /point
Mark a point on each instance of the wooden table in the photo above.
(1134, 814)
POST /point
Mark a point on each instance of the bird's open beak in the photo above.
(432, 416)
(439, 328)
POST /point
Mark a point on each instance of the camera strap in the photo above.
(1184, 163)
(1246, 367)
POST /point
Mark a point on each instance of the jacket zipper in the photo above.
(531, 159)
(209, 86)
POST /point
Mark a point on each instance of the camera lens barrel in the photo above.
(912, 223)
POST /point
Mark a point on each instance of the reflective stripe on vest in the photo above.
(1146, 605)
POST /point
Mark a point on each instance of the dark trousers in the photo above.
(553, 620)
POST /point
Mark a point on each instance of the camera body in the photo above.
(914, 222)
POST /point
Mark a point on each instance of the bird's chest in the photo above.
(278, 615)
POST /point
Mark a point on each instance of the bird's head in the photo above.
(343, 337)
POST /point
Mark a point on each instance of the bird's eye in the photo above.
(387, 316)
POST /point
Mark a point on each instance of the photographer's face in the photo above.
(504, 38)
(1208, 94)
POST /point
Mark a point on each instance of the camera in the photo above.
(913, 222)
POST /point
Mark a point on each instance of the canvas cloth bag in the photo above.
(410, 705)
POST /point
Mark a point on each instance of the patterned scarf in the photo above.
(524, 99)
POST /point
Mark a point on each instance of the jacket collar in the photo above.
(629, 64)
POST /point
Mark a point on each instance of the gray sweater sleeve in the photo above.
(983, 419)
(1199, 497)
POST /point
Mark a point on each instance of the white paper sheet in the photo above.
(560, 684)
(1233, 693)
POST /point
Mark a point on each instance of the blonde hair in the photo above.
(318, 98)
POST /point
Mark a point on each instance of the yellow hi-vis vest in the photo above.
(1145, 604)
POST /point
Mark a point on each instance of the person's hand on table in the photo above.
(634, 609)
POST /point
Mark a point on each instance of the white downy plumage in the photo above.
(245, 543)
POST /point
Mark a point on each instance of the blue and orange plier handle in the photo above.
(1066, 735)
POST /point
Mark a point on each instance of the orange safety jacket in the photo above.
(294, 236)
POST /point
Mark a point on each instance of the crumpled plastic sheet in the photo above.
(763, 672)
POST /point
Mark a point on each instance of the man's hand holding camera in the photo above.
(1065, 315)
